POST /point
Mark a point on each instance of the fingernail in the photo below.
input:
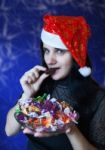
(68, 131)
(24, 131)
(36, 134)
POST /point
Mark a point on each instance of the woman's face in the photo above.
(58, 59)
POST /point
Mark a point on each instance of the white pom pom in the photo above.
(85, 71)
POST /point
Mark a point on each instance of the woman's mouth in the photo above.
(49, 71)
(52, 71)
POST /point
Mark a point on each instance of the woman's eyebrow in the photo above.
(60, 49)
(45, 48)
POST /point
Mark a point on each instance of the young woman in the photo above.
(64, 48)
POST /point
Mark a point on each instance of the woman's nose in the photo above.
(51, 59)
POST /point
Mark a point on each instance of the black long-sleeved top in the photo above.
(91, 111)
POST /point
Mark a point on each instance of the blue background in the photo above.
(20, 27)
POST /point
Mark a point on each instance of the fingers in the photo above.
(28, 131)
(32, 75)
(43, 134)
(38, 134)
(41, 79)
(68, 130)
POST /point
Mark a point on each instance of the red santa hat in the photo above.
(68, 33)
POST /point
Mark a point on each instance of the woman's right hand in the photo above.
(32, 80)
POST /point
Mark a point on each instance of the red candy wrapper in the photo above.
(45, 114)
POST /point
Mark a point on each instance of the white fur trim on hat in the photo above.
(52, 40)
(85, 71)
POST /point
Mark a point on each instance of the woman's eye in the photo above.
(46, 51)
(60, 52)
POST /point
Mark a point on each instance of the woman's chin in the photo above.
(57, 77)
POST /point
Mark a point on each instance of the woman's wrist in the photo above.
(78, 140)
(25, 96)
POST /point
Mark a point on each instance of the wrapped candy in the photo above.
(45, 114)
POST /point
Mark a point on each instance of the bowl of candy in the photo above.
(45, 114)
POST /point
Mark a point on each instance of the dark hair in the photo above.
(81, 86)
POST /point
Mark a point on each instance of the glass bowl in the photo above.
(45, 114)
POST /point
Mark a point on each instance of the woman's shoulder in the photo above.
(97, 124)
(101, 95)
